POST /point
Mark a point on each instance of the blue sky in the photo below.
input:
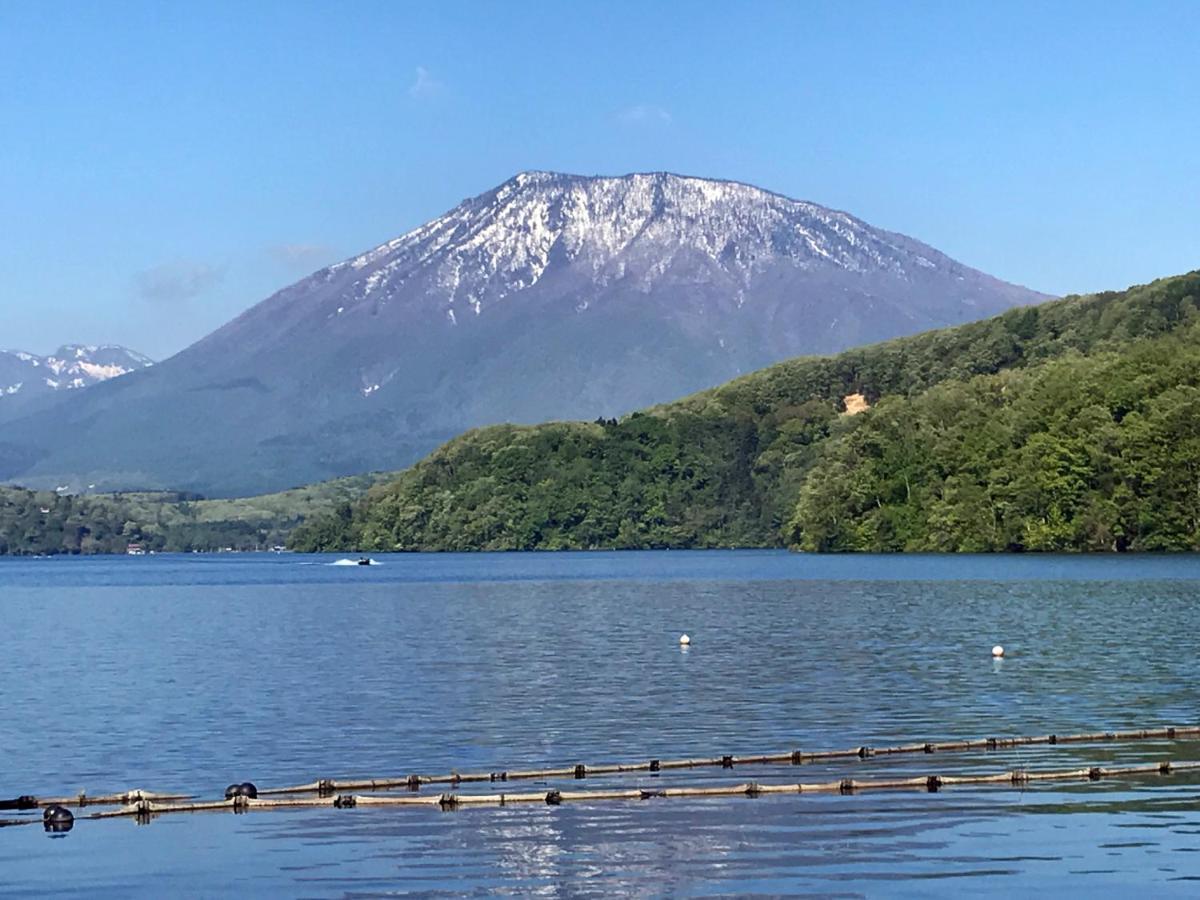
(164, 166)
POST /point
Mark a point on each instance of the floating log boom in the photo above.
(792, 757)
(245, 796)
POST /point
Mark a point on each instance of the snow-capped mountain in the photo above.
(70, 367)
(551, 296)
(632, 230)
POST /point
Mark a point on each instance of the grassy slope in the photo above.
(723, 467)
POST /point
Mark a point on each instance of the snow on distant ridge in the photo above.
(72, 366)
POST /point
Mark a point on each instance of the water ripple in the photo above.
(198, 673)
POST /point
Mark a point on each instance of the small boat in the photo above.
(364, 561)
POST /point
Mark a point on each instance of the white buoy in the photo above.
(684, 640)
(997, 651)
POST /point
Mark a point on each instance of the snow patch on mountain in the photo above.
(634, 228)
(70, 367)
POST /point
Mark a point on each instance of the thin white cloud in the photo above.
(425, 86)
(644, 114)
(300, 255)
(177, 281)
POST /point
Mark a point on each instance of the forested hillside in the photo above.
(1099, 453)
(772, 457)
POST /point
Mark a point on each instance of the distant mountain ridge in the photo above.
(24, 376)
(551, 296)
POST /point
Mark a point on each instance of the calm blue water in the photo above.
(188, 673)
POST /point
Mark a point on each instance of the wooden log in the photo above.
(234, 804)
(82, 799)
(12, 823)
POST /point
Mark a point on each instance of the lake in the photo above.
(187, 673)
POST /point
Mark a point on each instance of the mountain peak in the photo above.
(633, 228)
(549, 296)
